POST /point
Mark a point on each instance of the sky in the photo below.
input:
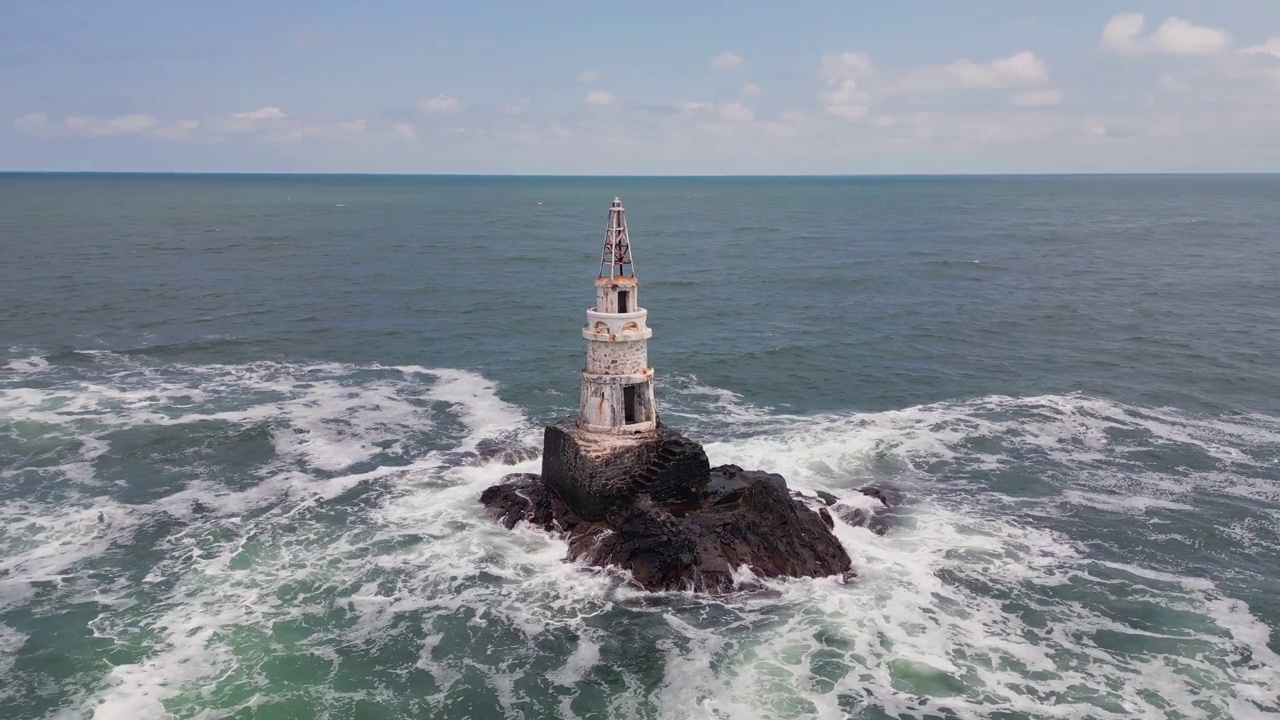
(641, 88)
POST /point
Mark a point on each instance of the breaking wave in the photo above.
(305, 538)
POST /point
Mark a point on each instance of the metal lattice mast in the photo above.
(616, 259)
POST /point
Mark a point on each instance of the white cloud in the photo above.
(32, 124)
(847, 66)
(90, 126)
(264, 119)
(844, 72)
(729, 61)
(266, 124)
(349, 131)
(736, 112)
(1270, 48)
(1175, 36)
(787, 126)
(695, 106)
(440, 105)
(737, 130)
(177, 131)
(589, 76)
(1180, 37)
(969, 129)
(518, 107)
(888, 121)
(101, 127)
(1037, 99)
(261, 114)
(404, 131)
(1016, 71)
(717, 129)
(846, 101)
(1171, 83)
(917, 126)
(353, 127)
(554, 135)
(1121, 33)
(291, 134)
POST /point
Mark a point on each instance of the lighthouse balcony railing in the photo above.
(616, 323)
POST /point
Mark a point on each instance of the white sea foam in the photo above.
(961, 607)
(10, 642)
(27, 365)
(716, 402)
(476, 401)
(218, 596)
(932, 601)
(1093, 439)
(41, 544)
(324, 415)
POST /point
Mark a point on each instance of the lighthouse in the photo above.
(626, 491)
(617, 382)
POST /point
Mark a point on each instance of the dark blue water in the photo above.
(238, 417)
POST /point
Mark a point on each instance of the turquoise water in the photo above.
(237, 416)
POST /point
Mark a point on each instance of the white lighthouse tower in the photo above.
(617, 383)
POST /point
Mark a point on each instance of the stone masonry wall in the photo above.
(595, 475)
(617, 358)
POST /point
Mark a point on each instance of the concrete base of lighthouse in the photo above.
(596, 474)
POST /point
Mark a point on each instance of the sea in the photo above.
(239, 417)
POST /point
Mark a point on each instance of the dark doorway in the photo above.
(624, 301)
(629, 403)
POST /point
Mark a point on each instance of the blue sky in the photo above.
(659, 87)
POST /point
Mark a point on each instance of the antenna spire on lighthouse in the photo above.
(617, 383)
(616, 259)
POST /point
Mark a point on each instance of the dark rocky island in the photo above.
(651, 504)
(627, 491)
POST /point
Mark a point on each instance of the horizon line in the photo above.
(315, 173)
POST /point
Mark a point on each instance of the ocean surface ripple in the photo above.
(238, 426)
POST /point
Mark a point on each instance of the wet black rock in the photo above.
(504, 452)
(888, 497)
(651, 505)
(876, 519)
